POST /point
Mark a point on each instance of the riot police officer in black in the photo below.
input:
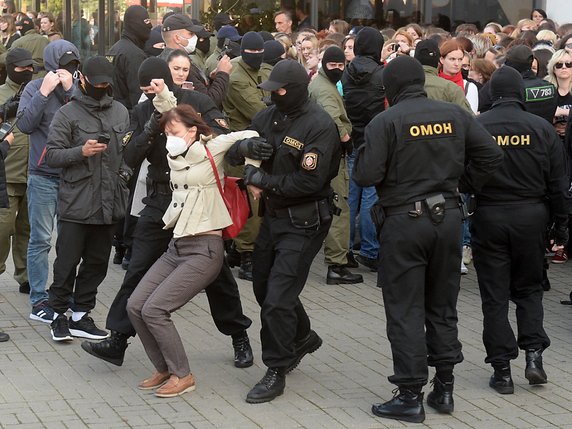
(417, 154)
(508, 229)
(150, 240)
(294, 186)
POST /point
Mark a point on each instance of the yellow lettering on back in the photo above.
(414, 131)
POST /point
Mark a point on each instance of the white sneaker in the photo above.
(467, 255)
(464, 269)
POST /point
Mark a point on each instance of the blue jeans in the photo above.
(362, 199)
(42, 206)
(466, 241)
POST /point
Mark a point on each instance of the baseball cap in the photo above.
(178, 21)
(285, 72)
(20, 57)
(520, 54)
(221, 19)
(67, 58)
(427, 53)
(228, 32)
(98, 70)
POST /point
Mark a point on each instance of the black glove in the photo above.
(255, 148)
(255, 176)
(347, 147)
(152, 126)
(561, 233)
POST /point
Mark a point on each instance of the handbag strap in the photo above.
(214, 170)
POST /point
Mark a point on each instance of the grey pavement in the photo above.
(44, 384)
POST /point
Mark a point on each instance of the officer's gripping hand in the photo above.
(255, 148)
(348, 147)
(152, 126)
(255, 176)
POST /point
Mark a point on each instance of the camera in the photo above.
(7, 127)
(103, 138)
(10, 107)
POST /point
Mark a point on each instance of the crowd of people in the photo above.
(400, 150)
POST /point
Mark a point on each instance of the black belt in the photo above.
(480, 202)
(285, 213)
(158, 188)
(450, 203)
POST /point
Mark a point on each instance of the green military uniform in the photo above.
(337, 241)
(212, 61)
(243, 101)
(438, 88)
(199, 58)
(35, 44)
(14, 226)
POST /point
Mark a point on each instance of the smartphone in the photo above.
(188, 85)
(395, 47)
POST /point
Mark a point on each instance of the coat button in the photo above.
(187, 168)
(186, 186)
(182, 205)
(175, 186)
(174, 204)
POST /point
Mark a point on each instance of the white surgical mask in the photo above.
(191, 45)
(176, 145)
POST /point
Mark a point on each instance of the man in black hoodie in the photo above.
(127, 55)
(364, 96)
(417, 154)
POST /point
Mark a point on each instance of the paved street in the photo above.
(44, 384)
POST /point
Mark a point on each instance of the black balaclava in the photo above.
(400, 75)
(507, 83)
(204, 44)
(20, 78)
(252, 40)
(94, 92)
(369, 43)
(266, 36)
(427, 53)
(333, 55)
(273, 51)
(464, 73)
(134, 23)
(155, 68)
(295, 97)
(221, 19)
(154, 38)
(519, 57)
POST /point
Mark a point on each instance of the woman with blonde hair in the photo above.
(310, 54)
(339, 26)
(286, 42)
(49, 27)
(404, 40)
(522, 26)
(8, 31)
(560, 75)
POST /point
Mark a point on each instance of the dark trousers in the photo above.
(419, 276)
(90, 244)
(150, 241)
(281, 261)
(508, 252)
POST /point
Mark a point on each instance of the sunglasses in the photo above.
(567, 64)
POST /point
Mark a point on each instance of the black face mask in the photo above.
(204, 45)
(18, 77)
(70, 67)
(334, 75)
(253, 60)
(295, 97)
(94, 92)
(465, 73)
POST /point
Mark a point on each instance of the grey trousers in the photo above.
(188, 266)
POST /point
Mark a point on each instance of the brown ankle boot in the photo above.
(156, 380)
(176, 386)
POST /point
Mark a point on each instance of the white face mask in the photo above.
(191, 44)
(176, 145)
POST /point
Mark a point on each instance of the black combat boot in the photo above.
(441, 398)
(352, 263)
(119, 254)
(245, 270)
(340, 275)
(406, 405)
(309, 344)
(501, 380)
(232, 255)
(534, 371)
(270, 387)
(243, 357)
(111, 349)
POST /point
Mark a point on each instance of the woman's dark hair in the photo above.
(188, 116)
(540, 11)
(177, 53)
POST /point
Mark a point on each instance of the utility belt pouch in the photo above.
(471, 204)
(377, 215)
(336, 210)
(436, 208)
(305, 216)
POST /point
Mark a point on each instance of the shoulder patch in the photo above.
(222, 123)
(310, 161)
(126, 138)
(539, 93)
(292, 142)
(110, 57)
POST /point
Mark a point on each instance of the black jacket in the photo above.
(141, 146)
(534, 158)
(306, 158)
(127, 55)
(540, 96)
(421, 147)
(4, 201)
